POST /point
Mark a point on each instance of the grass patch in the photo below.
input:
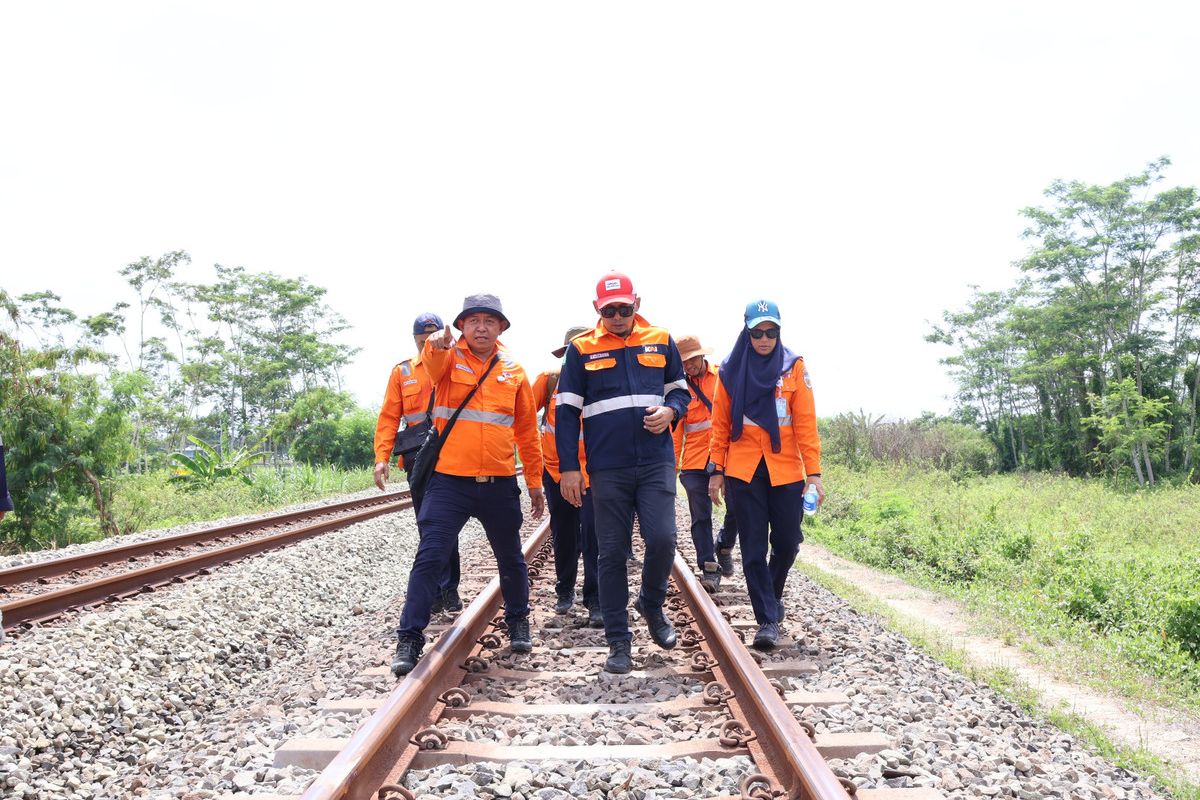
(1049, 560)
(1006, 682)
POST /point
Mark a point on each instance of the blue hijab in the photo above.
(750, 379)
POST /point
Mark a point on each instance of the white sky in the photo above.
(861, 164)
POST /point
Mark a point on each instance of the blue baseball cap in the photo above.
(423, 321)
(762, 311)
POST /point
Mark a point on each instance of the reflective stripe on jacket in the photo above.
(610, 382)
(693, 434)
(549, 447)
(800, 450)
(500, 416)
(406, 399)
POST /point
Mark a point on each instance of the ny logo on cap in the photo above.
(763, 307)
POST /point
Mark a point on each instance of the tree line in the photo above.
(1090, 363)
(248, 359)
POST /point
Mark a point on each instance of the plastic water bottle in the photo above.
(810, 500)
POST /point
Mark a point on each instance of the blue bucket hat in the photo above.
(482, 303)
(423, 321)
(762, 311)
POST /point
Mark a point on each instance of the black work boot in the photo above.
(519, 638)
(619, 660)
(767, 636)
(725, 561)
(451, 600)
(595, 616)
(565, 603)
(710, 579)
(438, 605)
(408, 653)
(660, 630)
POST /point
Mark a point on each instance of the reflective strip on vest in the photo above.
(415, 419)
(570, 399)
(697, 426)
(475, 415)
(624, 401)
(681, 384)
(783, 421)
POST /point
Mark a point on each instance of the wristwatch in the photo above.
(712, 469)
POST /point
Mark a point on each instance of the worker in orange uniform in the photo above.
(475, 473)
(625, 379)
(691, 450)
(572, 530)
(407, 400)
(765, 449)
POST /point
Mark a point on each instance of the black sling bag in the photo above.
(700, 394)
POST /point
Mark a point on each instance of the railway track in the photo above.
(42, 591)
(471, 701)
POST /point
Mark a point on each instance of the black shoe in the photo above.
(595, 617)
(767, 636)
(438, 605)
(450, 599)
(518, 635)
(710, 579)
(564, 604)
(660, 630)
(619, 661)
(408, 653)
(725, 561)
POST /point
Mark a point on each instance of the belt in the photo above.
(485, 478)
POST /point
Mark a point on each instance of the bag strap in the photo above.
(467, 399)
(700, 393)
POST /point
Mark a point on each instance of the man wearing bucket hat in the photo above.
(691, 447)
(407, 400)
(474, 475)
(626, 379)
(573, 531)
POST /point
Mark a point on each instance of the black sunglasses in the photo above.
(770, 333)
(608, 312)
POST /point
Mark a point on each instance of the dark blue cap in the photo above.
(423, 321)
(762, 311)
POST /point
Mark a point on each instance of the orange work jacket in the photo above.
(800, 453)
(546, 400)
(693, 434)
(406, 398)
(500, 416)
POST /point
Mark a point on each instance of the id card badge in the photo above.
(781, 407)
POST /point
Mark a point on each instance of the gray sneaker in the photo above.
(725, 561)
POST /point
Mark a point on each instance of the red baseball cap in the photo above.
(614, 288)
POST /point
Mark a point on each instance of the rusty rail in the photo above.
(787, 756)
(380, 744)
(61, 566)
(42, 607)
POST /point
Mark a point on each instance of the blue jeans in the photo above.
(448, 503)
(573, 532)
(695, 483)
(650, 490)
(450, 576)
(767, 514)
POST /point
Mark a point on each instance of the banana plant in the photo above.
(208, 464)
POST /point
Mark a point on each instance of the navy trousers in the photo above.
(448, 503)
(695, 483)
(727, 536)
(572, 534)
(450, 576)
(767, 514)
(649, 490)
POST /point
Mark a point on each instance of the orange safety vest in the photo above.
(693, 434)
(800, 445)
(546, 400)
(406, 398)
(501, 415)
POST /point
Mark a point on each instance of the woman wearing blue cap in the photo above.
(765, 449)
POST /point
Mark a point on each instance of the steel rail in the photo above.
(42, 607)
(61, 566)
(378, 748)
(789, 756)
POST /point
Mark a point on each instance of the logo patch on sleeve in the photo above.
(807, 378)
